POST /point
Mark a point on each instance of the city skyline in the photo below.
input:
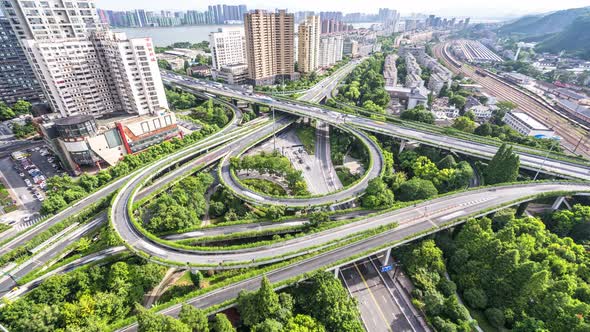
(457, 8)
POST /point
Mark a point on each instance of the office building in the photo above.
(308, 44)
(331, 50)
(527, 125)
(84, 68)
(17, 81)
(228, 47)
(269, 46)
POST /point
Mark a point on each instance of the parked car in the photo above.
(28, 182)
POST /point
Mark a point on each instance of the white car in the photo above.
(28, 182)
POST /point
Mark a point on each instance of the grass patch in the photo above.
(265, 186)
(307, 136)
(4, 227)
(346, 177)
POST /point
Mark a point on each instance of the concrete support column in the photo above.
(256, 108)
(336, 272)
(521, 208)
(387, 257)
(558, 201)
(402, 146)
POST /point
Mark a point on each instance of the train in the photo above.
(481, 72)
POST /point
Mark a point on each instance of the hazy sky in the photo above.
(475, 8)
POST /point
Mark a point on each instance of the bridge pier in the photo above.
(336, 272)
(521, 208)
(386, 258)
(402, 146)
(558, 201)
(256, 108)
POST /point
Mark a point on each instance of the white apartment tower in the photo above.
(82, 66)
(308, 44)
(228, 47)
(330, 50)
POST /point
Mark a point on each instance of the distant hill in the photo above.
(544, 24)
(574, 39)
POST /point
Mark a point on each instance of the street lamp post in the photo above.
(556, 138)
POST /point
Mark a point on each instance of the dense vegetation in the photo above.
(273, 164)
(419, 114)
(180, 208)
(344, 144)
(24, 131)
(319, 304)
(416, 175)
(364, 87)
(85, 299)
(21, 107)
(574, 223)
(574, 39)
(544, 24)
(434, 293)
(520, 275)
(503, 167)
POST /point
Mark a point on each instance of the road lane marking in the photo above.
(381, 314)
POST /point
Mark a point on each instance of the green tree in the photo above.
(194, 318)
(377, 194)
(22, 107)
(324, 298)
(495, 317)
(458, 101)
(303, 323)
(255, 307)
(476, 298)
(418, 114)
(424, 168)
(416, 189)
(222, 324)
(503, 167)
(148, 321)
(465, 124)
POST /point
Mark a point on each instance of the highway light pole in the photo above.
(556, 138)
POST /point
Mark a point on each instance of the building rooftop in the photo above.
(73, 120)
(571, 94)
(529, 121)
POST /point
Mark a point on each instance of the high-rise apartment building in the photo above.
(308, 44)
(228, 47)
(83, 67)
(330, 50)
(17, 80)
(269, 46)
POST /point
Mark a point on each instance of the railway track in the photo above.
(573, 135)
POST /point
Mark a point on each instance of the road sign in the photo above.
(386, 268)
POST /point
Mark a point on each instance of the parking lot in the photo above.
(26, 174)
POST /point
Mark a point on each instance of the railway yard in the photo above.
(574, 135)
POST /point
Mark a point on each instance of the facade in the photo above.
(232, 74)
(269, 46)
(351, 48)
(82, 67)
(228, 47)
(526, 125)
(17, 80)
(308, 44)
(330, 50)
(390, 70)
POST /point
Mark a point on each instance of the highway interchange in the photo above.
(412, 222)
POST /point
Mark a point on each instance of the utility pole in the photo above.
(274, 133)
(545, 159)
(577, 145)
